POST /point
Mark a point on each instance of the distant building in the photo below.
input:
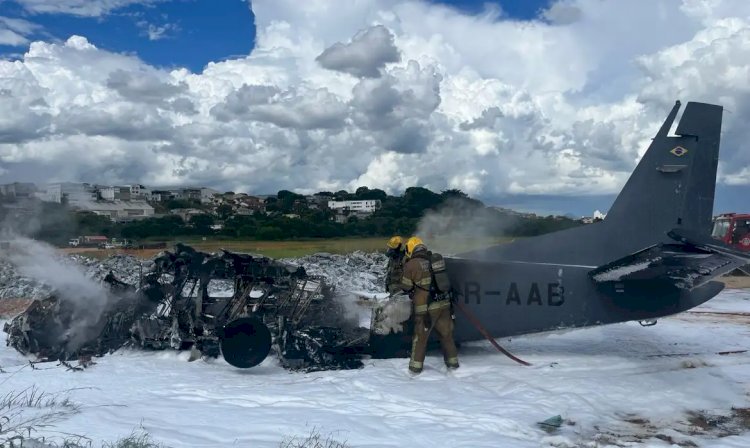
(345, 209)
(186, 213)
(73, 194)
(119, 210)
(107, 193)
(162, 195)
(598, 216)
(208, 194)
(137, 191)
(317, 201)
(18, 190)
(252, 203)
(191, 193)
(512, 212)
(204, 195)
(359, 207)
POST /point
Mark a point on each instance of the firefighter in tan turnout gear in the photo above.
(394, 271)
(428, 286)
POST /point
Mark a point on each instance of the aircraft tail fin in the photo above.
(673, 185)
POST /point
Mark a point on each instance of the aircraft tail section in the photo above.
(672, 188)
(673, 185)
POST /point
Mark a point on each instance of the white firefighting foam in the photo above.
(616, 385)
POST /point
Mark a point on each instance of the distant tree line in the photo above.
(397, 215)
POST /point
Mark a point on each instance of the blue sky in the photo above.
(189, 33)
(517, 9)
(176, 33)
(589, 91)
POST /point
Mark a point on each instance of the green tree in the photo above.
(202, 224)
(417, 200)
(269, 233)
(289, 202)
(88, 223)
(168, 226)
(224, 211)
(56, 224)
(184, 203)
(342, 195)
(365, 193)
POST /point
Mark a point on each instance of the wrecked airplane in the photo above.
(273, 306)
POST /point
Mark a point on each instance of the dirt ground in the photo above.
(736, 282)
(12, 307)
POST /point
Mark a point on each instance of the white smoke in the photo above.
(459, 225)
(84, 296)
(43, 263)
(351, 313)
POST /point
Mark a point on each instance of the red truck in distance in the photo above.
(733, 229)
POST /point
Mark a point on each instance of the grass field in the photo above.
(290, 249)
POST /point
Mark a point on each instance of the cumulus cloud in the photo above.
(16, 32)
(85, 8)
(397, 108)
(158, 32)
(306, 110)
(387, 94)
(367, 53)
(142, 87)
(563, 12)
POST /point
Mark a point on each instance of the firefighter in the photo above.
(395, 268)
(427, 283)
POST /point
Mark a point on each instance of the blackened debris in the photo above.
(171, 308)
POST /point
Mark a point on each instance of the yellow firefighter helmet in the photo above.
(411, 244)
(395, 241)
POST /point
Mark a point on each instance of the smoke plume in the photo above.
(350, 313)
(459, 225)
(36, 219)
(87, 299)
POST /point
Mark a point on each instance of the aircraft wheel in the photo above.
(245, 342)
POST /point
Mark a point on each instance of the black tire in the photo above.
(245, 342)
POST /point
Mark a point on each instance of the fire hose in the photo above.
(484, 332)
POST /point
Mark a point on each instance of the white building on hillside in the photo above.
(18, 190)
(137, 192)
(72, 193)
(107, 193)
(363, 207)
(119, 210)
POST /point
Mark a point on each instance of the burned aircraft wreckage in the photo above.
(274, 306)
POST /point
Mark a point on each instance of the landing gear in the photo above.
(245, 342)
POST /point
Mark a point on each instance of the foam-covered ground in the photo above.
(618, 385)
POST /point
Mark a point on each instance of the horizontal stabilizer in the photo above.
(681, 266)
(708, 244)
